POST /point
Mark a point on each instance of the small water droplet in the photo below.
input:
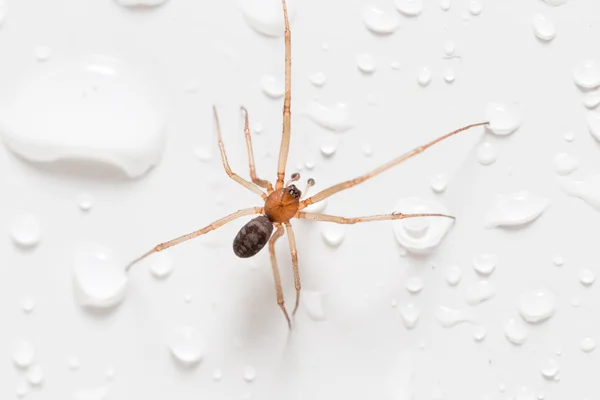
(395, 65)
(449, 317)
(587, 277)
(485, 264)
(272, 87)
(73, 363)
(544, 27)
(487, 153)
(28, 304)
(550, 369)
(85, 201)
(449, 48)
(23, 354)
(379, 21)
(21, 387)
(502, 387)
(310, 165)
(35, 375)
(569, 136)
(217, 375)
(514, 209)
(575, 302)
(99, 393)
(414, 284)
(479, 333)
(587, 190)
(329, 146)
(394, 303)
(99, 276)
(203, 154)
(410, 315)
(266, 16)
(161, 265)
(141, 3)
(588, 345)
(591, 100)
(25, 230)
(558, 261)
(438, 183)
(410, 8)
(593, 121)
(336, 118)
(475, 7)
(503, 118)
(187, 298)
(367, 150)
(366, 63)
(186, 345)
(249, 373)
(453, 275)
(42, 53)
(318, 79)
(313, 303)
(516, 332)
(480, 292)
(586, 74)
(110, 373)
(565, 164)
(424, 76)
(445, 5)
(333, 234)
(449, 75)
(258, 128)
(537, 305)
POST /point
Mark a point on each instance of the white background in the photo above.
(361, 349)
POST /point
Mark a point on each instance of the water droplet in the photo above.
(110, 373)
(480, 292)
(420, 234)
(449, 49)
(329, 146)
(186, 345)
(514, 209)
(587, 277)
(414, 284)
(74, 363)
(502, 387)
(564, 164)
(42, 53)
(453, 275)
(258, 128)
(202, 154)
(438, 183)
(266, 16)
(23, 354)
(445, 5)
(588, 345)
(217, 375)
(575, 302)
(249, 373)
(318, 79)
(586, 74)
(449, 317)
(550, 369)
(424, 76)
(487, 153)
(410, 315)
(395, 65)
(86, 201)
(537, 305)
(366, 63)
(21, 387)
(484, 264)
(367, 150)
(410, 8)
(310, 165)
(161, 265)
(569, 136)
(99, 276)
(503, 118)
(449, 76)
(35, 375)
(336, 118)
(313, 303)
(479, 333)
(558, 261)
(591, 99)
(99, 393)
(333, 234)
(394, 303)
(141, 3)
(475, 7)
(587, 190)
(379, 21)
(187, 298)
(272, 86)
(25, 230)
(516, 332)
(593, 120)
(544, 27)
(28, 304)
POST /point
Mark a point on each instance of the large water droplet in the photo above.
(550, 369)
(515, 331)
(591, 99)
(313, 303)
(333, 234)
(544, 27)
(564, 164)
(410, 315)
(318, 79)
(141, 3)
(94, 109)
(366, 63)
(424, 76)
(487, 153)
(587, 190)
(484, 264)
(537, 305)
(586, 74)
(593, 121)
(449, 317)
(272, 87)
(23, 354)
(35, 375)
(420, 234)
(161, 265)
(379, 21)
(249, 373)
(587, 345)
(587, 277)
(186, 345)
(503, 118)
(410, 8)
(25, 230)
(266, 16)
(99, 393)
(414, 284)
(480, 292)
(517, 208)
(453, 275)
(336, 118)
(99, 276)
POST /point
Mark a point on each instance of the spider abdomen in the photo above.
(252, 237)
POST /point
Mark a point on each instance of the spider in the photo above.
(283, 202)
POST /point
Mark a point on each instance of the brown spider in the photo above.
(283, 202)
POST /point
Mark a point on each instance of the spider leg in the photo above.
(285, 137)
(260, 182)
(349, 221)
(278, 233)
(322, 195)
(206, 229)
(232, 175)
(294, 251)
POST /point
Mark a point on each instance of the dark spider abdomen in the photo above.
(252, 237)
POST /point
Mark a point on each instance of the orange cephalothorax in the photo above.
(282, 204)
